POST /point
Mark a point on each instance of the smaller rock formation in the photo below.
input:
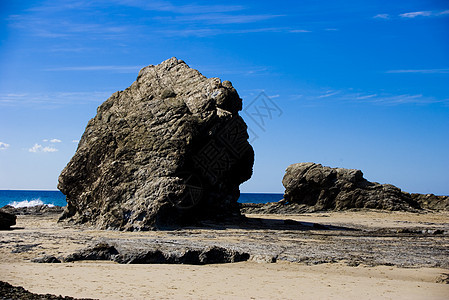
(7, 220)
(325, 188)
(312, 187)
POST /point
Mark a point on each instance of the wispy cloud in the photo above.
(153, 5)
(203, 32)
(382, 16)
(4, 146)
(421, 71)
(329, 94)
(166, 6)
(403, 99)
(119, 69)
(362, 97)
(413, 14)
(63, 28)
(218, 18)
(75, 141)
(300, 31)
(416, 14)
(55, 141)
(50, 99)
(317, 97)
(39, 148)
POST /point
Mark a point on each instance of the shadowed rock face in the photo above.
(336, 188)
(168, 150)
(7, 220)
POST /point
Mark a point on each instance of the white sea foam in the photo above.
(28, 203)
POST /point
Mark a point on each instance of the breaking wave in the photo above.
(28, 203)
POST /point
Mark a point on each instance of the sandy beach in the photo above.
(315, 278)
(246, 280)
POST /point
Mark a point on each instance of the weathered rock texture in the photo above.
(169, 149)
(431, 201)
(325, 188)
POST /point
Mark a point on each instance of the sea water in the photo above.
(31, 198)
(18, 198)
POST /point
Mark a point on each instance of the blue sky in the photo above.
(354, 84)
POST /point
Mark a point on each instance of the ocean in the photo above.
(32, 198)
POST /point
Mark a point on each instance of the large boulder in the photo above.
(169, 150)
(325, 188)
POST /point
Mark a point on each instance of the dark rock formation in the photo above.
(41, 210)
(154, 255)
(7, 291)
(7, 220)
(325, 188)
(46, 259)
(170, 149)
(101, 251)
(210, 255)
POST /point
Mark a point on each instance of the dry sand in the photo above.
(245, 280)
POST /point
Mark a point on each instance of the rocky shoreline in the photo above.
(7, 291)
(310, 238)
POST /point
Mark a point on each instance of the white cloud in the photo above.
(52, 99)
(4, 146)
(49, 149)
(416, 14)
(39, 148)
(166, 6)
(218, 18)
(75, 141)
(366, 96)
(422, 71)
(120, 69)
(382, 16)
(35, 148)
(55, 141)
(315, 97)
(329, 93)
(299, 31)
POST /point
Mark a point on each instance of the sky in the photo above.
(352, 84)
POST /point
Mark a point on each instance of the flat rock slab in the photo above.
(364, 237)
